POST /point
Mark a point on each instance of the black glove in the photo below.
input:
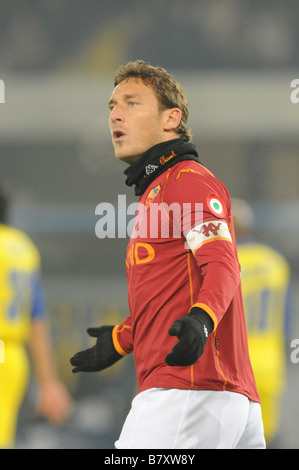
(100, 356)
(192, 331)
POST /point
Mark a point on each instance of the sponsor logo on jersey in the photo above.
(149, 169)
(139, 253)
(208, 232)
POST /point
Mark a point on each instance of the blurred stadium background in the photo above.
(236, 60)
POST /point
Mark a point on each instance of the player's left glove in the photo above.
(193, 331)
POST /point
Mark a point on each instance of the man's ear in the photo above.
(172, 119)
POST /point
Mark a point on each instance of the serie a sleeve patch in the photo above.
(206, 232)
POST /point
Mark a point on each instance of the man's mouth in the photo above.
(118, 135)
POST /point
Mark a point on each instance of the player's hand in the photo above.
(102, 355)
(192, 332)
(53, 401)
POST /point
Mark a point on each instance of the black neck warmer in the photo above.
(156, 160)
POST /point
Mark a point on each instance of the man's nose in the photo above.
(116, 114)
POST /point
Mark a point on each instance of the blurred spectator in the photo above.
(23, 321)
(266, 294)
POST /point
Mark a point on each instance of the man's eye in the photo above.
(132, 103)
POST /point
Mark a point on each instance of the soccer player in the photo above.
(186, 326)
(267, 305)
(23, 322)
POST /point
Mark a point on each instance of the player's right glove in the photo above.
(102, 355)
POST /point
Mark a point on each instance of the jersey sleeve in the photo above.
(206, 225)
(220, 271)
(38, 310)
(122, 337)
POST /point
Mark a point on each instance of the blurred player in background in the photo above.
(23, 322)
(266, 295)
(186, 327)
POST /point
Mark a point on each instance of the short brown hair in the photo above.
(169, 92)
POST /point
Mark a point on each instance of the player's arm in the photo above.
(112, 343)
(40, 345)
(53, 399)
(220, 271)
(208, 236)
(221, 277)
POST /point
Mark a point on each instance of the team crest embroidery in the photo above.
(216, 205)
(151, 196)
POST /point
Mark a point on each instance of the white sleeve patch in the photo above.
(209, 231)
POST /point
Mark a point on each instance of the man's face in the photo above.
(135, 121)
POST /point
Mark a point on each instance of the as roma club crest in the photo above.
(151, 196)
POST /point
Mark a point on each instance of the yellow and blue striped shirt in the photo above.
(265, 288)
(21, 295)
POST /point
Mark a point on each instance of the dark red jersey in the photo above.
(182, 253)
